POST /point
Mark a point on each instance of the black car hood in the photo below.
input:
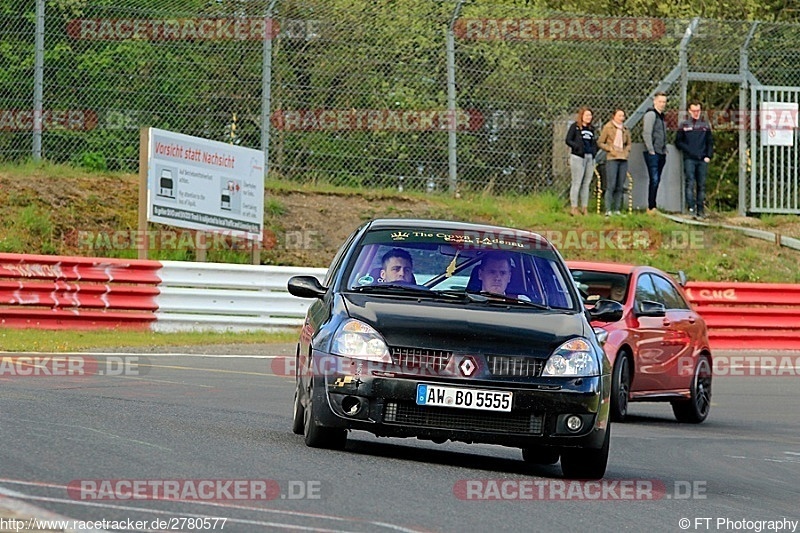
(477, 328)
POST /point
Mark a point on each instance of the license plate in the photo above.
(484, 400)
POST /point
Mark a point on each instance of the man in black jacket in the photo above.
(695, 141)
(654, 135)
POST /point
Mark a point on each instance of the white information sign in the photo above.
(205, 185)
(778, 121)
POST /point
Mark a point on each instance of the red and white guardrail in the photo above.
(748, 316)
(53, 292)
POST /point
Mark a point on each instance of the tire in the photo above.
(298, 412)
(586, 463)
(695, 410)
(620, 387)
(540, 455)
(317, 436)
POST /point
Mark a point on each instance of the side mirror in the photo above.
(650, 308)
(306, 287)
(606, 311)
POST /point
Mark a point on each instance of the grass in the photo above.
(47, 205)
(34, 340)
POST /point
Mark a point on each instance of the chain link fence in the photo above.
(355, 92)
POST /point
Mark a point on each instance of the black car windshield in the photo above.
(512, 267)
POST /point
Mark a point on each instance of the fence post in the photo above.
(452, 156)
(744, 72)
(266, 81)
(38, 81)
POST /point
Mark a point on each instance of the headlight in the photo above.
(572, 359)
(360, 341)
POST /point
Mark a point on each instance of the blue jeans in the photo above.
(655, 165)
(616, 179)
(695, 172)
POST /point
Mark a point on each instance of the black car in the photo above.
(453, 331)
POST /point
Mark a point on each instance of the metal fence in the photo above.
(360, 92)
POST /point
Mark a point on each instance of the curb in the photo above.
(781, 240)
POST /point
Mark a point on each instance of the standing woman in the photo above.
(615, 139)
(583, 145)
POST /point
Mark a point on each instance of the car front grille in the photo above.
(409, 414)
(436, 360)
(503, 365)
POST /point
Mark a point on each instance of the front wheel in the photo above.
(583, 463)
(620, 387)
(696, 408)
(298, 412)
(317, 436)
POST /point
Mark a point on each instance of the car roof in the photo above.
(614, 268)
(417, 223)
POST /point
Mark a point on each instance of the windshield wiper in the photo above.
(485, 297)
(397, 288)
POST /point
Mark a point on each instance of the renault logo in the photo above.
(467, 366)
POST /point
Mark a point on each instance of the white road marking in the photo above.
(11, 501)
(110, 436)
(296, 514)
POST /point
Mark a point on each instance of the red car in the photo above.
(659, 350)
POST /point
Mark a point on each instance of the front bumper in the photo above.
(381, 399)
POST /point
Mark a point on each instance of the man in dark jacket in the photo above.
(695, 141)
(654, 135)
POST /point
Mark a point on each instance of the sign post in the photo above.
(144, 156)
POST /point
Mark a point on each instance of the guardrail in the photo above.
(54, 292)
(229, 297)
(748, 316)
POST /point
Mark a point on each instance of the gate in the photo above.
(774, 149)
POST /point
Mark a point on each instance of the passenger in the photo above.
(397, 266)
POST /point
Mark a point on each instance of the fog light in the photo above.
(351, 405)
(574, 423)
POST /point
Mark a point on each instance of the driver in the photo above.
(495, 273)
(618, 292)
(397, 266)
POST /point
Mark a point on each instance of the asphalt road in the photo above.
(192, 419)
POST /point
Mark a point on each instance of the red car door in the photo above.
(681, 334)
(655, 330)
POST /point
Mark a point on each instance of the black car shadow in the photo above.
(651, 419)
(397, 450)
(667, 420)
